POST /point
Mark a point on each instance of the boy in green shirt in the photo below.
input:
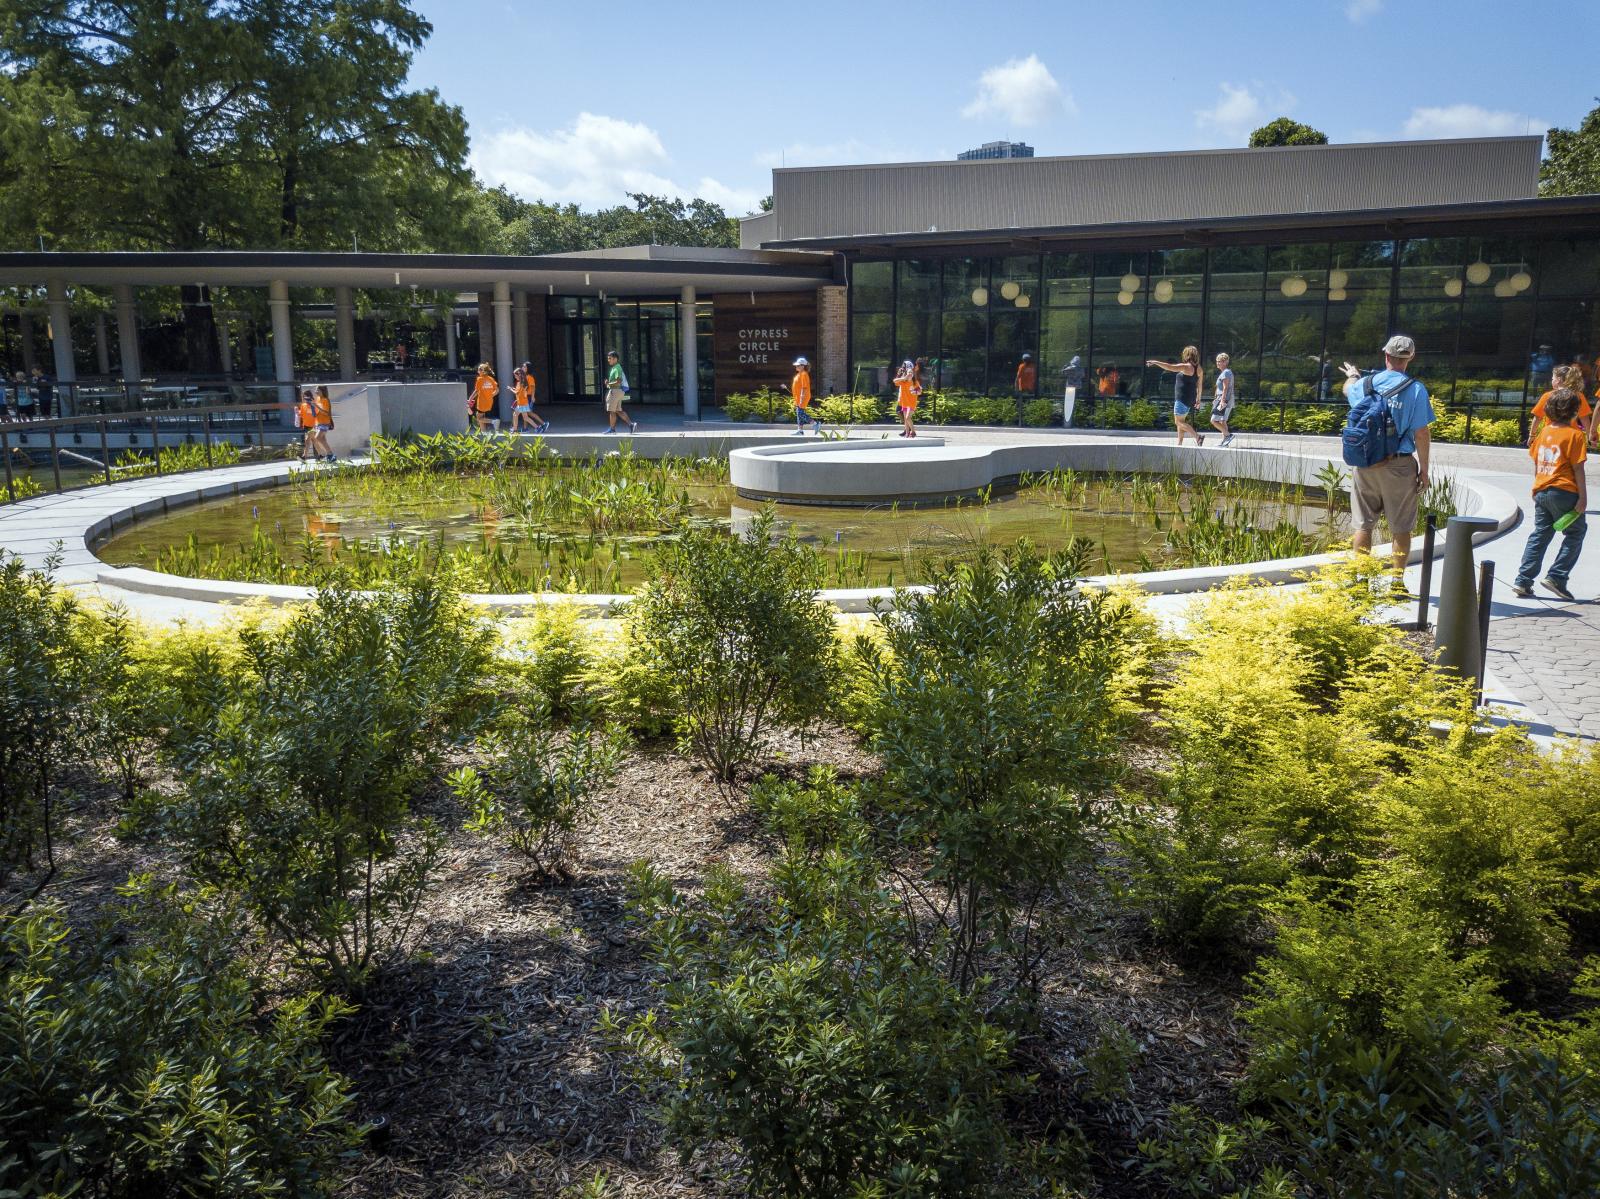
(616, 388)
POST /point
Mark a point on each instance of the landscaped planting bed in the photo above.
(1002, 892)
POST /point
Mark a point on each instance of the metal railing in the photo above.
(1265, 414)
(66, 453)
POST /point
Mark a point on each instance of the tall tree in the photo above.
(535, 227)
(1572, 165)
(1285, 132)
(193, 124)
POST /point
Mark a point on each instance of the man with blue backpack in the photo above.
(1387, 440)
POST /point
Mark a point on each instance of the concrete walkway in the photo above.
(1543, 654)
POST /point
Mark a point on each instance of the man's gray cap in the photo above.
(1400, 346)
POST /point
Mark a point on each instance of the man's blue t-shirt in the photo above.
(1409, 408)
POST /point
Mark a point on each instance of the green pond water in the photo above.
(505, 542)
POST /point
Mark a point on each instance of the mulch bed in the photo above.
(482, 1051)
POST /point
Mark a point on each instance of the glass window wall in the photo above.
(1487, 314)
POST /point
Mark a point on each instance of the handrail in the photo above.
(14, 438)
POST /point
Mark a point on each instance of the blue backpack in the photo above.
(1370, 434)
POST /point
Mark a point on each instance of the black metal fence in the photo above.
(87, 449)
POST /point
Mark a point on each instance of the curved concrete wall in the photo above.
(76, 518)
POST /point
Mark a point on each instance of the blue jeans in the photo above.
(802, 416)
(1548, 506)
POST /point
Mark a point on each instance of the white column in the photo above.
(61, 346)
(519, 325)
(102, 352)
(688, 343)
(502, 334)
(344, 323)
(128, 336)
(282, 340)
(225, 344)
(452, 358)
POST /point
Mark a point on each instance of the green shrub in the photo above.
(1254, 418)
(1369, 1119)
(142, 1066)
(801, 1031)
(121, 725)
(764, 405)
(1198, 1155)
(297, 792)
(1142, 414)
(551, 653)
(850, 410)
(1382, 971)
(535, 789)
(1038, 413)
(734, 627)
(1475, 844)
(45, 695)
(994, 719)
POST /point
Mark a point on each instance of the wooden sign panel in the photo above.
(756, 340)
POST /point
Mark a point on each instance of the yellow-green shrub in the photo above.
(551, 652)
(1327, 618)
(1474, 842)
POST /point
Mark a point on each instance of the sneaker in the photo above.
(1555, 588)
(1228, 440)
(798, 433)
(612, 429)
(1522, 590)
(633, 426)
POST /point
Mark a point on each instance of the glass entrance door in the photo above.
(575, 364)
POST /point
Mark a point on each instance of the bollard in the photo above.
(1425, 587)
(1459, 642)
(1485, 604)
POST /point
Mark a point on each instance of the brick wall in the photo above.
(833, 331)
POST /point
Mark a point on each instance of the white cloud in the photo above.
(1470, 120)
(1240, 109)
(1359, 10)
(1023, 91)
(594, 162)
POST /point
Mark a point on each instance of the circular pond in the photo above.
(518, 526)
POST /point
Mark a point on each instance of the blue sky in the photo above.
(584, 102)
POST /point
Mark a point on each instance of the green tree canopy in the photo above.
(197, 124)
(1572, 167)
(1286, 132)
(536, 227)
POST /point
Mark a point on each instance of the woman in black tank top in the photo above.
(1185, 390)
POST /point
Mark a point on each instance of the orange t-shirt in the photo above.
(485, 390)
(800, 388)
(1109, 382)
(306, 414)
(324, 410)
(1539, 412)
(519, 393)
(1557, 454)
(908, 391)
(1025, 376)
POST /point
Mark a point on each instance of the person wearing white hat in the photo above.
(1392, 486)
(800, 393)
(908, 386)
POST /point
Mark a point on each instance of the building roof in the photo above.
(819, 205)
(628, 270)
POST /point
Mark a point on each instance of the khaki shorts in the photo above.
(1389, 490)
(614, 400)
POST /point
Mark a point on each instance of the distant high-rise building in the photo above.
(998, 150)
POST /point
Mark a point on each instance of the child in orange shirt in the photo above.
(484, 390)
(1559, 489)
(305, 416)
(909, 387)
(1570, 377)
